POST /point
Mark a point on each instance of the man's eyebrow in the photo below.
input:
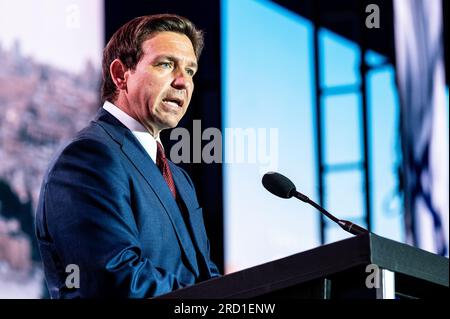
(175, 59)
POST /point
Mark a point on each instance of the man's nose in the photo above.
(182, 81)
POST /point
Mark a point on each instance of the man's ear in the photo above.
(118, 74)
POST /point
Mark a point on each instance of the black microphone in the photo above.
(282, 186)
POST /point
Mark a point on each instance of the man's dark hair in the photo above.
(126, 43)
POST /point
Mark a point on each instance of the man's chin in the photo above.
(169, 125)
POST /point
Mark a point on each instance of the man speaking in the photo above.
(112, 206)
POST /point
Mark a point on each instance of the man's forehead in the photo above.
(169, 43)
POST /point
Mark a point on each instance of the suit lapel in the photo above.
(150, 172)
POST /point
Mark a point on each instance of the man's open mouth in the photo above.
(173, 101)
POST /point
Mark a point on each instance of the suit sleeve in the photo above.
(90, 221)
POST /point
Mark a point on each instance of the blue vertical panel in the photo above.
(343, 198)
(342, 186)
(385, 154)
(267, 83)
(340, 59)
(342, 141)
(342, 131)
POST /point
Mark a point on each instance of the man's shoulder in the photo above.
(91, 136)
(103, 129)
(90, 146)
(93, 133)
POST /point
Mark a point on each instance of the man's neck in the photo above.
(124, 106)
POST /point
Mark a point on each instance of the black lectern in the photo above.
(365, 266)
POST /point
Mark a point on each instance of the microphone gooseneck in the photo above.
(281, 186)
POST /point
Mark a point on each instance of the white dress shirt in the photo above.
(147, 141)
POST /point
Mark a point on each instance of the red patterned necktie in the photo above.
(163, 165)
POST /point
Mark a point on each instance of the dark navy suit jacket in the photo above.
(105, 207)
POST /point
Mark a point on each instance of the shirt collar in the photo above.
(147, 140)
